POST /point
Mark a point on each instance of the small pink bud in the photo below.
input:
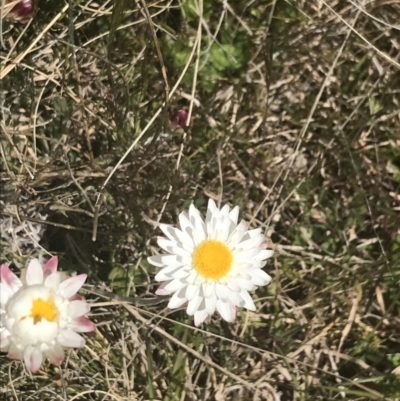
(23, 10)
(178, 118)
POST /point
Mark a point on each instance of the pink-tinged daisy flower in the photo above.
(41, 313)
(212, 264)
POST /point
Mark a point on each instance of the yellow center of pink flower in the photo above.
(43, 310)
(212, 259)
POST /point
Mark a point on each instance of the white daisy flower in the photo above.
(212, 264)
(41, 313)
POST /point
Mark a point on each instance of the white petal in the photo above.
(250, 243)
(198, 224)
(68, 338)
(71, 286)
(252, 233)
(34, 273)
(172, 247)
(53, 281)
(221, 291)
(186, 225)
(56, 354)
(211, 210)
(25, 331)
(161, 289)
(235, 298)
(234, 214)
(82, 324)
(225, 229)
(237, 235)
(245, 285)
(211, 303)
(50, 266)
(180, 273)
(165, 260)
(175, 285)
(264, 254)
(9, 279)
(225, 210)
(199, 317)
(33, 358)
(193, 305)
(192, 278)
(14, 352)
(167, 273)
(5, 294)
(178, 299)
(233, 285)
(208, 288)
(4, 340)
(78, 308)
(248, 301)
(225, 310)
(233, 311)
(259, 277)
(174, 234)
(192, 290)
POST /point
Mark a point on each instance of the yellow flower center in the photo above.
(212, 259)
(43, 310)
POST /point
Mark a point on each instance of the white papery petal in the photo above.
(78, 308)
(34, 273)
(252, 233)
(172, 247)
(208, 288)
(211, 303)
(165, 260)
(68, 338)
(259, 277)
(33, 358)
(53, 281)
(175, 285)
(56, 354)
(71, 286)
(248, 301)
(180, 274)
(5, 293)
(235, 298)
(264, 254)
(250, 243)
(234, 214)
(166, 273)
(225, 210)
(225, 310)
(198, 224)
(247, 254)
(199, 317)
(211, 210)
(178, 299)
(81, 324)
(175, 234)
(186, 225)
(221, 291)
(237, 235)
(193, 305)
(4, 340)
(50, 266)
(192, 291)
(9, 279)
